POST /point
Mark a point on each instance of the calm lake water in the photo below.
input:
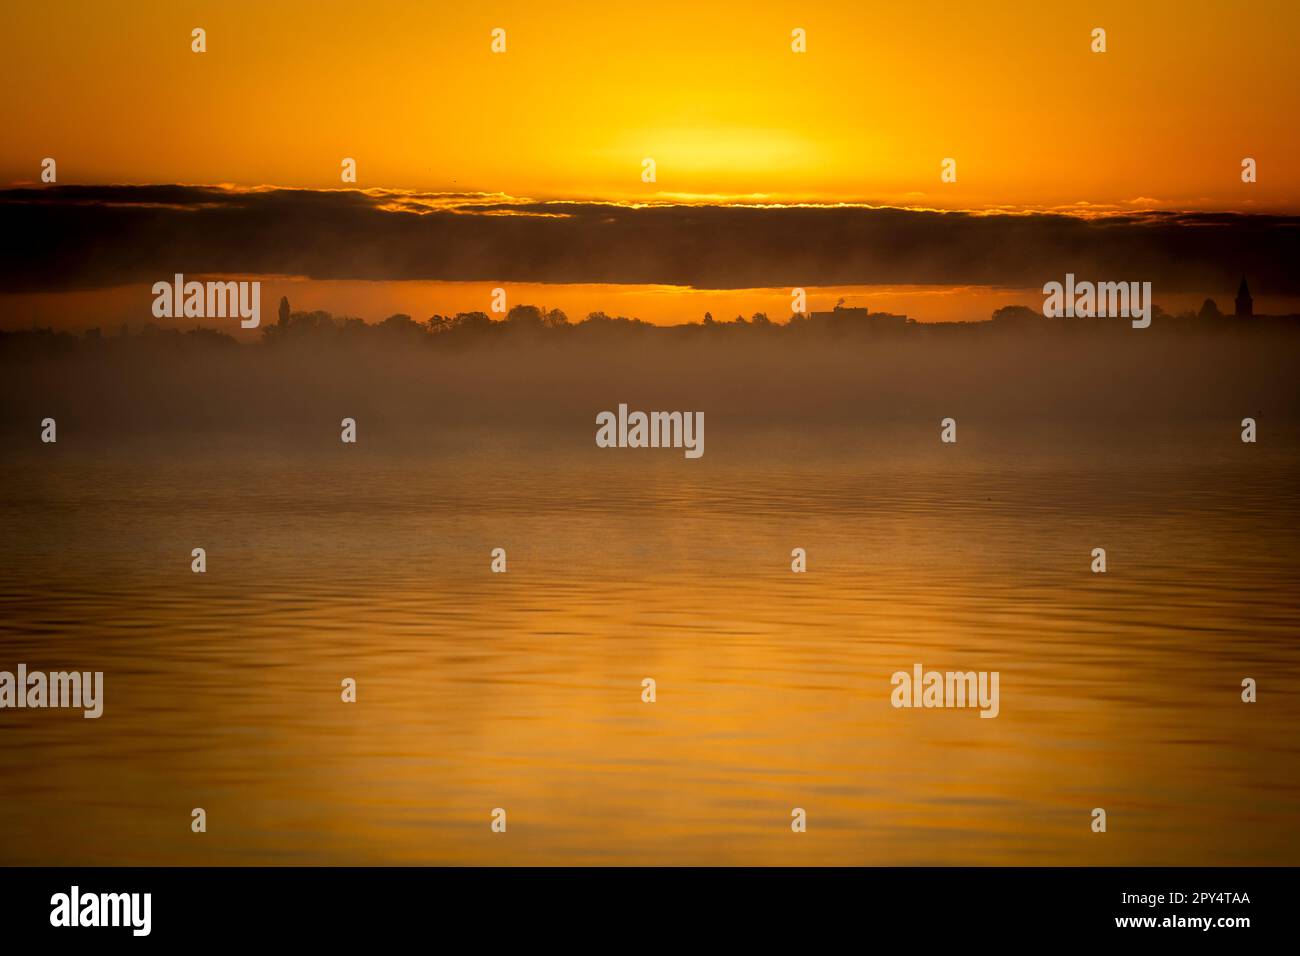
(523, 690)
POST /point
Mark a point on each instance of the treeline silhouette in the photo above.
(405, 379)
(529, 322)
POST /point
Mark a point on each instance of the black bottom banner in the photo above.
(621, 906)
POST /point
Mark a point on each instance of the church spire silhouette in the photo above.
(1245, 304)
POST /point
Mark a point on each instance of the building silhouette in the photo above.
(1245, 304)
(845, 317)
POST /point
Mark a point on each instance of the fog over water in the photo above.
(523, 690)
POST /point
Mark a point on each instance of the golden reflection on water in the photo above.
(523, 690)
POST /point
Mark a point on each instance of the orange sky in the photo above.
(712, 92)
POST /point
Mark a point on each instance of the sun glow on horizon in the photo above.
(726, 109)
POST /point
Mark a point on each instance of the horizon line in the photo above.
(463, 197)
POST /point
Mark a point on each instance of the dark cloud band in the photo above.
(65, 237)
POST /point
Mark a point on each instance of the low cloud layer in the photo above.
(76, 237)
